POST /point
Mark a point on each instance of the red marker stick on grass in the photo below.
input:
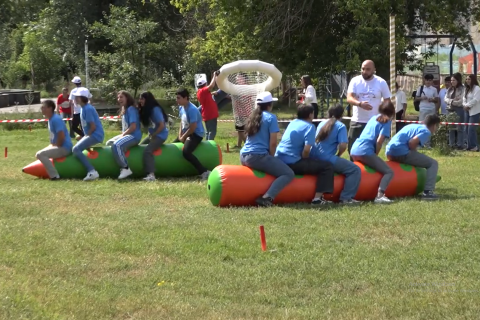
(6, 152)
(262, 239)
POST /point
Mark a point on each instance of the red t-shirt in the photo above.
(63, 104)
(209, 107)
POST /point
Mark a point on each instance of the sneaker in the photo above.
(92, 175)
(55, 178)
(429, 195)
(350, 201)
(205, 175)
(149, 177)
(382, 199)
(124, 173)
(264, 202)
(320, 201)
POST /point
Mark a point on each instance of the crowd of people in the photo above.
(304, 149)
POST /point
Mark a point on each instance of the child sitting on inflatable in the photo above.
(92, 128)
(403, 148)
(367, 147)
(260, 146)
(191, 130)
(131, 135)
(294, 150)
(152, 113)
(60, 143)
(331, 143)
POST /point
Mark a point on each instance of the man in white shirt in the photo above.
(400, 106)
(428, 98)
(443, 93)
(76, 125)
(365, 93)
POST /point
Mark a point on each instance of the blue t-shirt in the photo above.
(129, 117)
(259, 143)
(365, 145)
(298, 134)
(89, 114)
(55, 126)
(189, 115)
(156, 117)
(398, 145)
(327, 149)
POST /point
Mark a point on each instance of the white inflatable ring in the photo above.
(273, 80)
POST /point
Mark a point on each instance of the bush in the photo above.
(440, 138)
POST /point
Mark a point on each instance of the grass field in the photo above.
(135, 250)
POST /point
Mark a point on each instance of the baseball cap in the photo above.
(201, 82)
(82, 92)
(265, 97)
(77, 79)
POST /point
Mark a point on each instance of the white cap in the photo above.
(201, 82)
(82, 92)
(77, 79)
(265, 97)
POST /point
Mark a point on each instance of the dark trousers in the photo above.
(399, 125)
(189, 146)
(354, 132)
(315, 113)
(322, 169)
(76, 126)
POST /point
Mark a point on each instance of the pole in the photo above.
(393, 74)
(87, 81)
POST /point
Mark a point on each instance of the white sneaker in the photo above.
(92, 175)
(382, 199)
(205, 175)
(124, 173)
(150, 177)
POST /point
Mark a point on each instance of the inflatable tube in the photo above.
(240, 186)
(169, 162)
(273, 81)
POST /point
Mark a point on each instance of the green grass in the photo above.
(134, 250)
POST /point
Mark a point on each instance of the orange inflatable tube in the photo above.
(230, 185)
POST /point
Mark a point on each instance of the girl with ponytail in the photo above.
(366, 148)
(260, 146)
(331, 142)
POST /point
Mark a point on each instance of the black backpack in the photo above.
(416, 104)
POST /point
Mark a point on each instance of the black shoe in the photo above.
(429, 195)
(320, 201)
(264, 202)
(55, 179)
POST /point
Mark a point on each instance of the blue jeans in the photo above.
(211, 129)
(272, 166)
(120, 146)
(82, 145)
(352, 174)
(460, 129)
(472, 130)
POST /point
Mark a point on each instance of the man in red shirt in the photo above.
(63, 106)
(208, 106)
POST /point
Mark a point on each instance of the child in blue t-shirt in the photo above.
(92, 128)
(260, 145)
(367, 147)
(131, 133)
(294, 150)
(403, 148)
(331, 143)
(191, 131)
(60, 143)
(152, 114)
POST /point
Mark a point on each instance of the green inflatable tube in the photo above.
(169, 162)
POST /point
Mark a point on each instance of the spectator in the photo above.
(208, 107)
(428, 98)
(63, 106)
(401, 106)
(309, 96)
(442, 93)
(471, 105)
(454, 101)
(76, 123)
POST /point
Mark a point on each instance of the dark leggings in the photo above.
(76, 126)
(189, 147)
(315, 113)
(322, 169)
